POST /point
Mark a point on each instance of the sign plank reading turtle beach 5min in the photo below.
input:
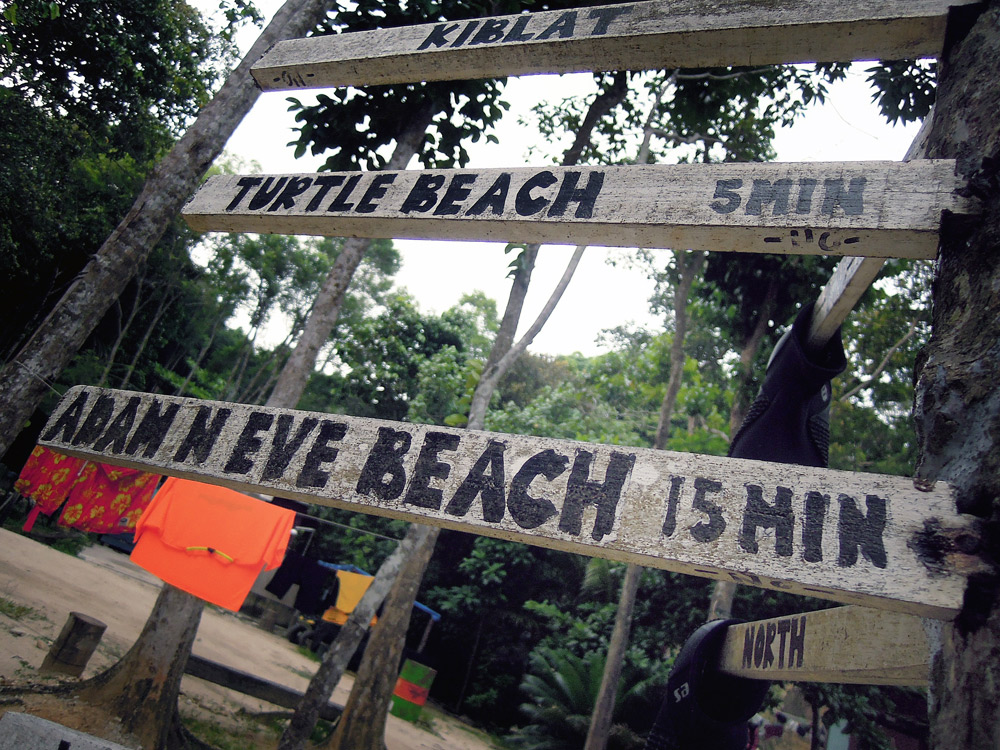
(882, 209)
(631, 36)
(856, 538)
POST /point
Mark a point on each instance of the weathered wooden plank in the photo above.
(883, 209)
(849, 645)
(855, 538)
(849, 281)
(635, 36)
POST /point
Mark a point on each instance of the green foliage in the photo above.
(562, 688)
(16, 611)
(906, 89)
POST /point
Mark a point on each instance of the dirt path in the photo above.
(105, 585)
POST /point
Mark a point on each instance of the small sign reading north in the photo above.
(878, 209)
(850, 537)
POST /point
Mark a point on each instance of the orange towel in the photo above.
(210, 541)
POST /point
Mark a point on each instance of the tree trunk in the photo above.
(604, 706)
(142, 688)
(165, 302)
(326, 309)
(362, 726)
(957, 402)
(342, 649)
(750, 348)
(100, 283)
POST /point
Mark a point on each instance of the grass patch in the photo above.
(308, 653)
(16, 611)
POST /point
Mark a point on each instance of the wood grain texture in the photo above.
(855, 538)
(847, 284)
(875, 209)
(855, 645)
(634, 36)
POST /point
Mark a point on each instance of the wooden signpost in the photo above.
(874, 209)
(853, 645)
(635, 36)
(854, 538)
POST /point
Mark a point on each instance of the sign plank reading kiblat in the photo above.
(632, 36)
(855, 538)
(855, 645)
(882, 209)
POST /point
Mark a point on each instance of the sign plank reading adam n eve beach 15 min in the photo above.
(858, 538)
(880, 209)
(630, 36)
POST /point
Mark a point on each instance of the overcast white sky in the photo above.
(847, 128)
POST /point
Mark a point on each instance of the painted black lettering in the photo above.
(340, 202)
(796, 642)
(764, 193)
(248, 442)
(851, 202)
(313, 473)
(516, 33)
(564, 26)
(438, 36)
(201, 435)
(606, 16)
(383, 474)
(96, 421)
(495, 198)
(727, 199)
(68, 420)
(712, 530)
(152, 429)
(325, 182)
(246, 185)
(758, 647)
(807, 186)
(581, 491)
(284, 449)
(466, 33)
(747, 578)
(524, 203)
(295, 187)
(491, 31)
(772, 630)
(428, 467)
(673, 500)
(783, 627)
(858, 530)
(527, 511)
(748, 647)
(458, 190)
(265, 193)
(423, 194)
(759, 513)
(478, 482)
(117, 432)
(584, 198)
(812, 529)
(375, 192)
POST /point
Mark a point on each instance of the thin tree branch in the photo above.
(883, 364)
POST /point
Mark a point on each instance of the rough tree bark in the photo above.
(62, 333)
(142, 688)
(363, 722)
(957, 402)
(336, 657)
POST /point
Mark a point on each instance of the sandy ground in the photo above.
(103, 584)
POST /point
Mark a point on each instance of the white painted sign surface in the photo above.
(847, 645)
(855, 538)
(633, 36)
(881, 209)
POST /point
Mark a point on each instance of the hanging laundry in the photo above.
(210, 541)
(317, 584)
(98, 497)
(352, 587)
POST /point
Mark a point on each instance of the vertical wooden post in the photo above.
(957, 402)
(75, 645)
